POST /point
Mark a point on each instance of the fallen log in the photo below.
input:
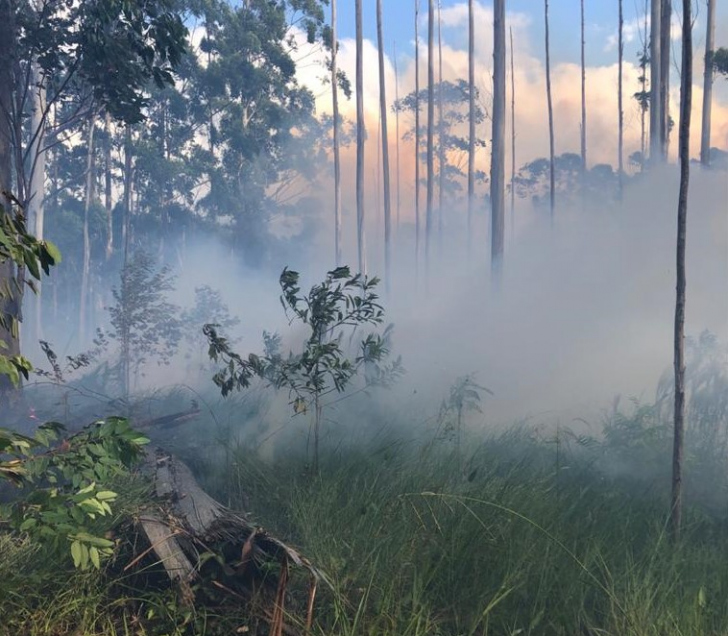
(183, 523)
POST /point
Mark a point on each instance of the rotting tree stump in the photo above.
(183, 522)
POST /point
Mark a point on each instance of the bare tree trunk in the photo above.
(513, 141)
(417, 138)
(708, 85)
(440, 138)
(686, 90)
(643, 80)
(107, 189)
(361, 244)
(385, 155)
(583, 98)
(337, 152)
(36, 194)
(497, 164)
(88, 199)
(471, 120)
(620, 102)
(128, 186)
(430, 122)
(655, 83)
(552, 170)
(665, 20)
(396, 130)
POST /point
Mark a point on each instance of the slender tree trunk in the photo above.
(583, 98)
(396, 130)
(552, 168)
(440, 138)
(471, 120)
(10, 303)
(36, 194)
(83, 312)
(708, 85)
(361, 244)
(430, 122)
(337, 153)
(108, 204)
(665, 20)
(643, 79)
(417, 138)
(620, 103)
(655, 83)
(497, 164)
(385, 155)
(128, 186)
(513, 141)
(686, 89)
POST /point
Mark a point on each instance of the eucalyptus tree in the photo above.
(497, 163)
(471, 119)
(440, 132)
(583, 91)
(417, 135)
(337, 157)
(552, 168)
(430, 123)
(655, 82)
(708, 84)
(385, 154)
(361, 243)
(620, 99)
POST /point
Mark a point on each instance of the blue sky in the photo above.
(601, 23)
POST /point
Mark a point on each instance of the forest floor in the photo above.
(519, 537)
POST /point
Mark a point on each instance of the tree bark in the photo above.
(88, 200)
(417, 138)
(583, 97)
(440, 138)
(708, 85)
(655, 83)
(430, 122)
(620, 102)
(385, 155)
(107, 188)
(337, 152)
(552, 168)
(471, 120)
(396, 132)
(128, 186)
(497, 165)
(686, 89)
(665, 20)
(361, 243)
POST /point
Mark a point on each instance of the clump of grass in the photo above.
(517, 542)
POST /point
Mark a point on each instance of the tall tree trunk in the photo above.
(430, 122)
(440, 138)
(83, 311)
(396, 129)
(643, 81)
(128, 187)
(708, 85)
(361, 244)
(620, 103)
(10, 299)
(552, 167)
(36, 194)
(513, 140)
(665, 22)
(497, 164)
(108, 205)
(385, 155)
(471, 120)
(417, 138)
(686, 89)
(337, 152)
(655, 83)
(583, 98)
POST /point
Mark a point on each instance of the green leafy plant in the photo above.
(340, 304)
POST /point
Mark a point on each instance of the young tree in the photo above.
(665, 56)
(655, 82)
(471, 119)
(396, 129)
(361, 243)
(430, 124)
(708, 85)
(497, 165)
(440, 138)
(385, 154)
(513, 139)
(337, 157)
(88, 201)
(686, 90)
(552, 168)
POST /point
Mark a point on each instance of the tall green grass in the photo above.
(522, 540)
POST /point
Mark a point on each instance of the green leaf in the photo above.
(94, 553)
(76, 553)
